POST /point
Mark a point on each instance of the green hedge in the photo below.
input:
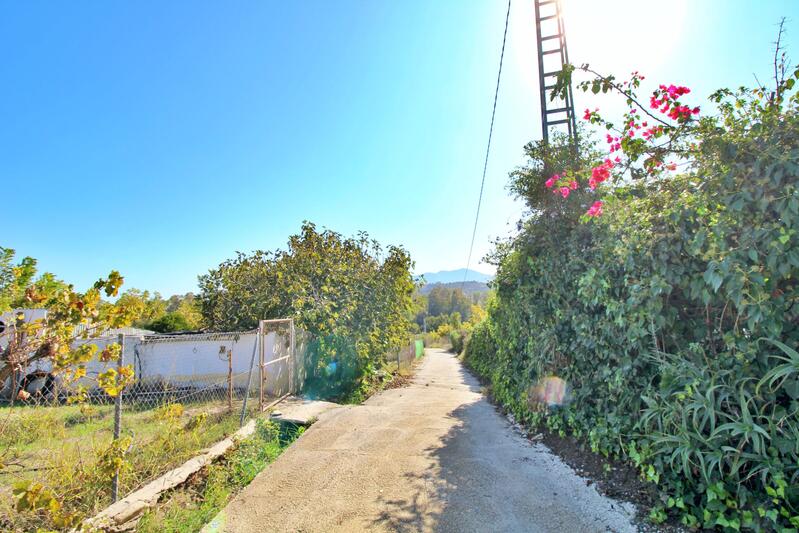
(663, 317)
(457, 340)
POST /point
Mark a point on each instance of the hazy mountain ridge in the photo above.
(468, 288)
(452, 276)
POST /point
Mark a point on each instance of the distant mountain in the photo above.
(451, 276)
(468, 288)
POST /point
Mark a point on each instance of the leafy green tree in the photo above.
(19, 289)
(344, 291)
(70, 315)
(14, 279)
(419, 309)
(445, 301)
(146, 307)
(189, 308)
(170, 322)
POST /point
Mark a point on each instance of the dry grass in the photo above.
(68, 450)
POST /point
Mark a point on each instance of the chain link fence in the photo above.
(406, 356)
(188, 392)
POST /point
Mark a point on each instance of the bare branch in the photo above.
(779, 64)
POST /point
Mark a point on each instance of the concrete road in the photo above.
(432, 456)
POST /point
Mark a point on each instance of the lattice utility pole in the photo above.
(552, 56)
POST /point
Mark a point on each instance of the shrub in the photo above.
(170, 322)
(457, 340)
(655, 312)
(350, 294)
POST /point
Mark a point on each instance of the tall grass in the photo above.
(70, 451)
(189, 508)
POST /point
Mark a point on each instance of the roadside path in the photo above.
(432, 456)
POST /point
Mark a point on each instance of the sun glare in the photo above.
(616, 36)
(623, 35)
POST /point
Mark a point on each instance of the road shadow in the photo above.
(483, 475)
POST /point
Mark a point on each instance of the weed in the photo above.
(191, 507)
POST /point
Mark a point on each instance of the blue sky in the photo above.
(158, 138)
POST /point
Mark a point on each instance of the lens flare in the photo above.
(551, 391)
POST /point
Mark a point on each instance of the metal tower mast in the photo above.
(552, 56)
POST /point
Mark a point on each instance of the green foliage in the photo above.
(545, 159)
(336, 367)
(190, 508)
(434, 323)
(456, 340)
(352, 296)
(70, 315)
(653, 314)
(173, 321)
(446, 301)
(19, 286)
(69, 452)
(151, 311)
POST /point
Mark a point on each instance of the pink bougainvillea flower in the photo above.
(551, 181)
(564, 191)
(595, 210)
(672, 166)
(600, 173)
(654, 103)
(680, 112)
(588, 115)
(673, 91)
(573, 185)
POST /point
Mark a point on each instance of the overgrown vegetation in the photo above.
(445, 314)
(352, 296)
(151, 311)
(190, 507)
(65, 457)
(667, 300)
(71, 315)
(57, 463)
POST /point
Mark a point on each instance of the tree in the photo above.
(170, 322)
(189, 308)
(145, 307)
(70, 315)
(18, 287)
(346, 292)
(445, 301)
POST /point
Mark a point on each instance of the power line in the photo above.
(488, 147)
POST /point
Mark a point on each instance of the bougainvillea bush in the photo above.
(657, 274)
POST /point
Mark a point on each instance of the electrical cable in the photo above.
(488, 147)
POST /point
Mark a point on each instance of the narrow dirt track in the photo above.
(432, 456)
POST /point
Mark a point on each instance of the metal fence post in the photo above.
(118, 415)
(249, 380)
(261, 366)
(230, 379)
(293, 360)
